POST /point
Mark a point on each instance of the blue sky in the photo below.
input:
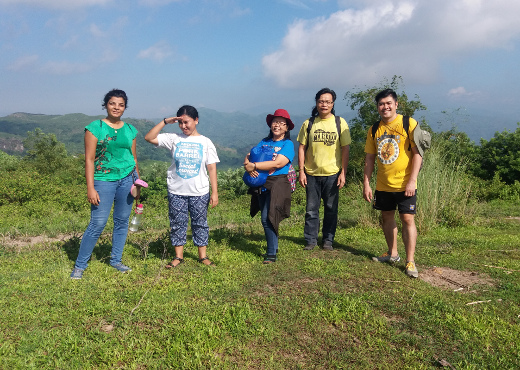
(62, 56)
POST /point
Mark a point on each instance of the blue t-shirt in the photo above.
(284, 147)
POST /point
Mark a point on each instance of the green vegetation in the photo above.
(325, 310)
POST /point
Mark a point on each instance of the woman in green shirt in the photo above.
(110, 170)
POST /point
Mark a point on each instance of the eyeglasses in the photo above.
(325, 102)
(278, 123)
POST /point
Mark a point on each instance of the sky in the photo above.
(62, 56)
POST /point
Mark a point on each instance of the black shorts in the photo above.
(388, 201)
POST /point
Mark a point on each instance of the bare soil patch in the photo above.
(446, 278)
(20, 242)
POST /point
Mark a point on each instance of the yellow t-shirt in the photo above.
(394, 164)
(323, 156)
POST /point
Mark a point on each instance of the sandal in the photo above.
(170, 264)
(201, 260)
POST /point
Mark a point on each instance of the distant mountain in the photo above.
(234, 134)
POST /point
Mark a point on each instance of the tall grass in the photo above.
(443, 195)
(444, 192)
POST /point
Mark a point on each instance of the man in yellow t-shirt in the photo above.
(398, 166)
(323, 159)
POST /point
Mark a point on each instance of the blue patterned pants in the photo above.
(180, 206)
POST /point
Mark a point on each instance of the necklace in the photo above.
(110, 124)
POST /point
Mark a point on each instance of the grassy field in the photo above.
(309, 310)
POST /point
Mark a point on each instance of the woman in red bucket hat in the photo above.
(273, 199)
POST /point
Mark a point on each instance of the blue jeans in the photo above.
(118, 194)
(326, 188)
(270, 235)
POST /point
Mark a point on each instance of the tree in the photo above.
(45, 151)
(501, 156)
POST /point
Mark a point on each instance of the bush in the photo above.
(230, 183)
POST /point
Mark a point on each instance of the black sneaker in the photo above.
(327, 246)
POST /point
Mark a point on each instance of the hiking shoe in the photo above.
(76, 273)
(327, 246)
(309, 247)
(387, 258)
(411, 270)
(120, 267)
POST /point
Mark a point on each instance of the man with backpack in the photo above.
(398, 165)
(323, 158)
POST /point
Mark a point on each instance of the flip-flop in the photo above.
(140, 183)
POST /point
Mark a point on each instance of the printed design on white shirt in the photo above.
(188, 159)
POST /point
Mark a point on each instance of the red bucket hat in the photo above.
(280, 113)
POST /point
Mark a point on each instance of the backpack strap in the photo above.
(309, 126)
(406, 127)
(375, 126)
(338, 127)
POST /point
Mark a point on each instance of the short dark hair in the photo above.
(114, 93)
(325, 90)
(189, 111)
(384, 93)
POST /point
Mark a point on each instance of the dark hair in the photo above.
(383, 94)
(287, 135)
(325, 90)
(114, 93)
(189, 111)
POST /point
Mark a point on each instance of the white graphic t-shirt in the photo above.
(187, 174)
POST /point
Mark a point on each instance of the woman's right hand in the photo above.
(171, 120)
(93, 197)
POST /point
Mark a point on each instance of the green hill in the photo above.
(232, 133)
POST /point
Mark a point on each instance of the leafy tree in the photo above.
(362, 101)
(45, 151)
(500, 156)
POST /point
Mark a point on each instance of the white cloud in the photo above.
(457, 91)
(397, 37)
(23, 63)
(95, 31)
(57, 4)
(157, 52)
(461, 93)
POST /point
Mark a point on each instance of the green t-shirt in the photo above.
(114, 159)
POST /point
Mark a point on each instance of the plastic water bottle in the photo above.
(136, 220)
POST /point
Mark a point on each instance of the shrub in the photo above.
(230, 183)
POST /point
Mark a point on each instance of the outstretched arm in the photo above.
(151, 136)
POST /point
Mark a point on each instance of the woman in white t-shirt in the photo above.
(194, 158)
